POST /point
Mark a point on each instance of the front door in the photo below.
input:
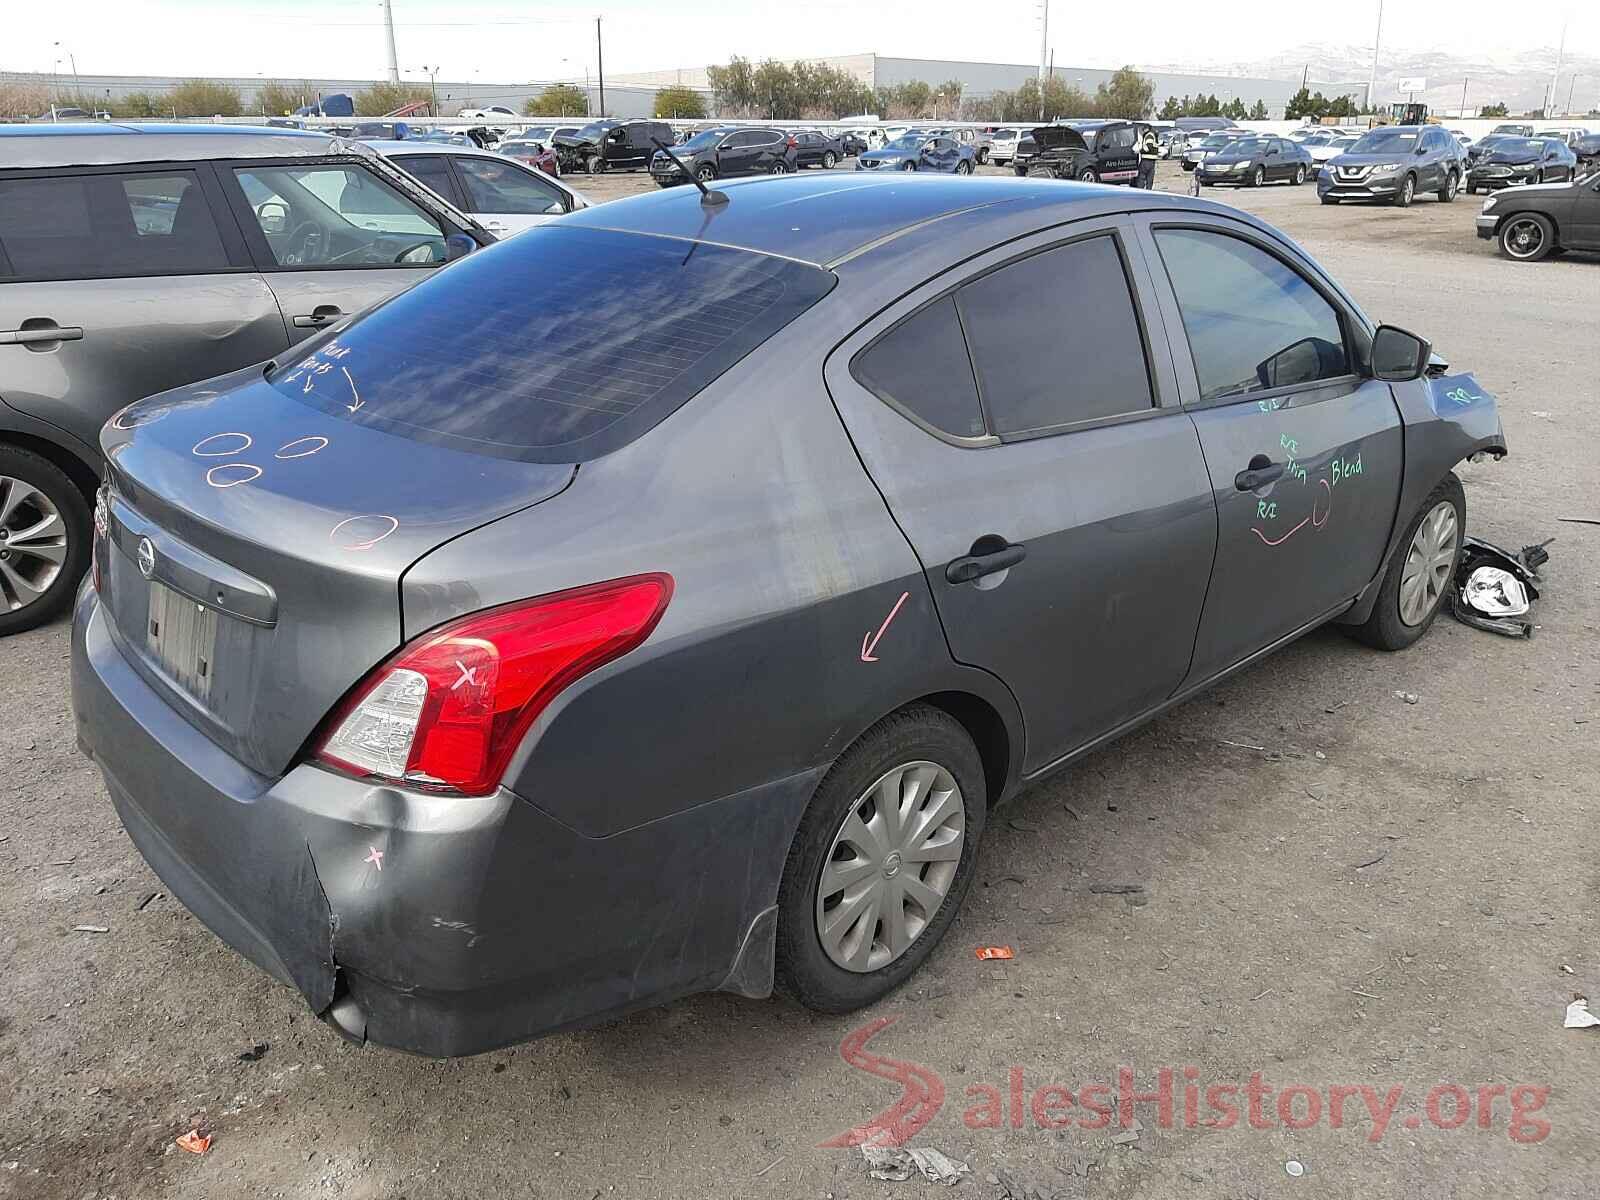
(1029, 444)
(1584, 221)
(1304, 454)
(331, 238)
(118, 284)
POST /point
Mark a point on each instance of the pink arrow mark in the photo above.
(869, 642)
(375, 857)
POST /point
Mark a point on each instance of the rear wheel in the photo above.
(983, 155)
(1299, 174)
(963, 167)
(1421, 572)
(881, 861)
(1527, 237)
(829, 159)
(779, 168)
(44, 540)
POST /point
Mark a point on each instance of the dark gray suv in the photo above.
(1394, 164)
(517, 656)
(137, 258)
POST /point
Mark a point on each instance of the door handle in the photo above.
(1261, 472)
(976, 566)
(47, 333)
(322, 314)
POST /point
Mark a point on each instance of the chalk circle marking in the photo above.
(214, 481)
(354, 540)
(227, 453)
(320, 441)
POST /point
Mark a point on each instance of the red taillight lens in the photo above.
(791, 143)
(449, 710)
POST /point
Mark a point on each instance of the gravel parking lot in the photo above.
(1356, 869)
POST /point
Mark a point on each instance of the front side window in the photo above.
(1253, 322)
(333, 215)
(1055, 339)
(434, 171)
(499, 187)
(94, 226)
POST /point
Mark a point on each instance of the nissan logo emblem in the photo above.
(147, 557)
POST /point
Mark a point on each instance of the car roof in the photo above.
(414, 146)
(108, 143)
(826, 219)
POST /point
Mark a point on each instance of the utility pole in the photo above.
(1377, 40)
(600, 65)
(1571, 87)
(388, 29)
(1464, 96)
(1044, 44)
(1561, 49)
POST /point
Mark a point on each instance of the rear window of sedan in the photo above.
(559, 345)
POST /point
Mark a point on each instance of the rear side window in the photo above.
(1253, 322)
(98, 226)
(434, 170)
(921, 366)
(620, 331)
(1055, 339)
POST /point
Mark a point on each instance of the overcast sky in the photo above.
(520, 40)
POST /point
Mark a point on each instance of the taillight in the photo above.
(448, 711)
(791, 143)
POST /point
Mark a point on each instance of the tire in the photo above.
(39, 574)
(1258, 177)
(780, 168)
(705, 172)
(1452, 183)
(1526, 237)
(1299, 174)
(829, 160)
(1538, 177)
(1391, 627)
(1087, 175)
(963, 167)
(1471, 191)
(983, 156)
(1019, 171)
(1330, 199)
(1407, 192)
(594, 164)
(805, 971)
(908, 165)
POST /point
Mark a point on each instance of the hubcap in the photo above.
(890, 866)
(1524, 238)
(33, 543)
(1430, 561)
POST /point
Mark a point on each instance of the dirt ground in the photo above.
(1342, 887)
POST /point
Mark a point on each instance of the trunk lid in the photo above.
(252, 548)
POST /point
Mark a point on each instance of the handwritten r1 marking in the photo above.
(869, 643)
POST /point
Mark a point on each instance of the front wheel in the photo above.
(881, 861)
(1087, 175)
(594, 164)
(1407, 192)
(44, 540)
(1258, 177)
(1527, 237)
(829, 160)
(908, 166)
(1452, 184)
(705, 172)
(1421, 572)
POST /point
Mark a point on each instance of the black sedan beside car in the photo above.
(813, 148)
(1533, 222)
(1515, 161)
(1253, 161)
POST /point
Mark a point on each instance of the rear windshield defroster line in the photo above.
(558, 345)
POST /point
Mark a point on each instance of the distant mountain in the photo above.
(1517, 80)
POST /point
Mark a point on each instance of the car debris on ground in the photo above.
(1579, 1016)
(1493, 588)
(892, 1164)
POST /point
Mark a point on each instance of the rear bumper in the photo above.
(438, 925)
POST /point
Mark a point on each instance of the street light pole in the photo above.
(1561, 49)
(433, 85)
(1377, 39)
(388, 29)
(600, 64)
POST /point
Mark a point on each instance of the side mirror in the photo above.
(458, 245)
(1398, 356)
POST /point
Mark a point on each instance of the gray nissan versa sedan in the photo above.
(509, 657)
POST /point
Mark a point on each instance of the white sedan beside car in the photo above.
(501, 194)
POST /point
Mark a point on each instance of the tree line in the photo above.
(1210, 106)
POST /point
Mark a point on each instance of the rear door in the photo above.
(1030, 445)
(1305, 455)
(1118, 155)
(143, 276)
(331, 238)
